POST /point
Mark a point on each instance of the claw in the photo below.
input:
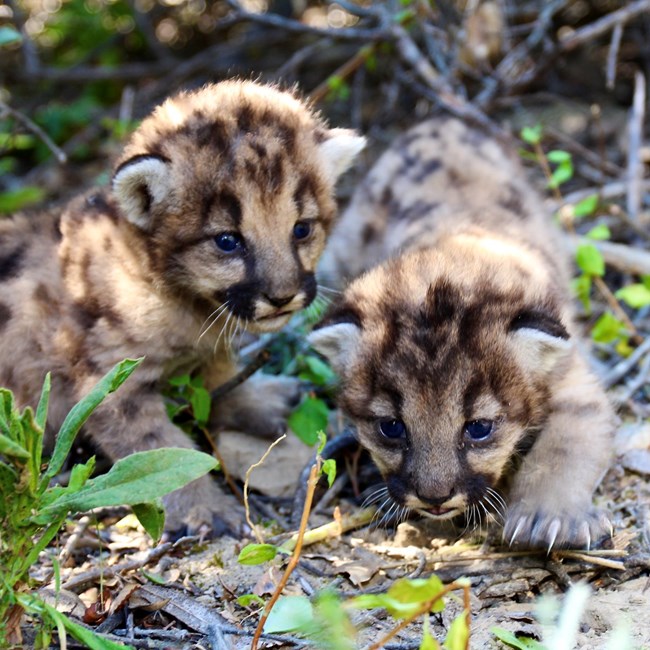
(586, 534)
(553, 530)
(518, 527)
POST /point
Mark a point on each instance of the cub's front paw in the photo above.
(536, 528)
(201, 507)
(260, 406)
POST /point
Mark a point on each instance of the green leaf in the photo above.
(558, 156)
(562, 173)
(9, 35)
(458, 634)
(180, 380)
(249, 599)
(586, 207)
(599, 232)
(289, 614)
(10, 448)
(607, 329)
(322, 441)
(428, 642)
(329, 469)
(634, 295)
(81, 411)
(319, 373)
(308, 419)
(582, 289)
(418, 591)
(405, 597)
(138, 478)
(645, 279)
(80, 474)
(532, 134)
(201, 403)
(154, 577)
(257, 553)
(152, 517)
(590, 260)
(14, 200)
(43, 402)
(519, 642)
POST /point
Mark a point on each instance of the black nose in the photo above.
(279, 301)
(433, 500)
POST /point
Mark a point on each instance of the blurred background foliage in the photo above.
(77, 75)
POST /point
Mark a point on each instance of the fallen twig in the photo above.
(250, 368)
(81, 580)
(249, 471)
(635, 133)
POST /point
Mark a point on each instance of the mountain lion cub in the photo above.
(217, 213)
(456, 345)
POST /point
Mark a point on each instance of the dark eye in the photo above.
(392, 429)
(478, 429)
(302, 230)
(229, 242)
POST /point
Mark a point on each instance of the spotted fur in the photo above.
(136, 270)
(462, 315)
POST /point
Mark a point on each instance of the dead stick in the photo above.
(634, 166)
(249, 471)
(249, 369)
(604, 24)
(295, 557)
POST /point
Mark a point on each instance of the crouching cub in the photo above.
(218, 211)
(456, 347)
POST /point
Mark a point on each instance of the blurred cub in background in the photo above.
(456, 345)
(218, 211)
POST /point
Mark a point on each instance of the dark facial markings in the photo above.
(5, 315)
(11, 264)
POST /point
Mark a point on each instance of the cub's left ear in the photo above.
(339, 150)
(138, 183)
(337, 343)
(540, 341)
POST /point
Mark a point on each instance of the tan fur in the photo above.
(136, 271)
(463, 315)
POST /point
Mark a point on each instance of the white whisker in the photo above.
(322, 287)
(223, 329)
(213, 318)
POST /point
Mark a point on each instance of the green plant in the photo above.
(613, 325)
(32, 511)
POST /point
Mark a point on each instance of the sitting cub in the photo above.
(456, 347)
(218, 211)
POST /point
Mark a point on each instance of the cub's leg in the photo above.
(259, 406)
(134, 419)
(551, 495)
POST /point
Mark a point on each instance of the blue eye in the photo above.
(392, 429)
(229, 242)
(302, 230)
(478, 429)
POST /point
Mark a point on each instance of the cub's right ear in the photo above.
(336, 343)
(138, 183)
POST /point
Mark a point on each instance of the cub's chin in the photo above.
(269, 323)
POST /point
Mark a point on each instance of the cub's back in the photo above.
(439, 178)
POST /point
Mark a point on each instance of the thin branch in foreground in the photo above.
(314, 475)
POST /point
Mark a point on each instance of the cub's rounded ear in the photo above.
(336, 342)
(138, 183)
(338, 151)
(540, 341)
